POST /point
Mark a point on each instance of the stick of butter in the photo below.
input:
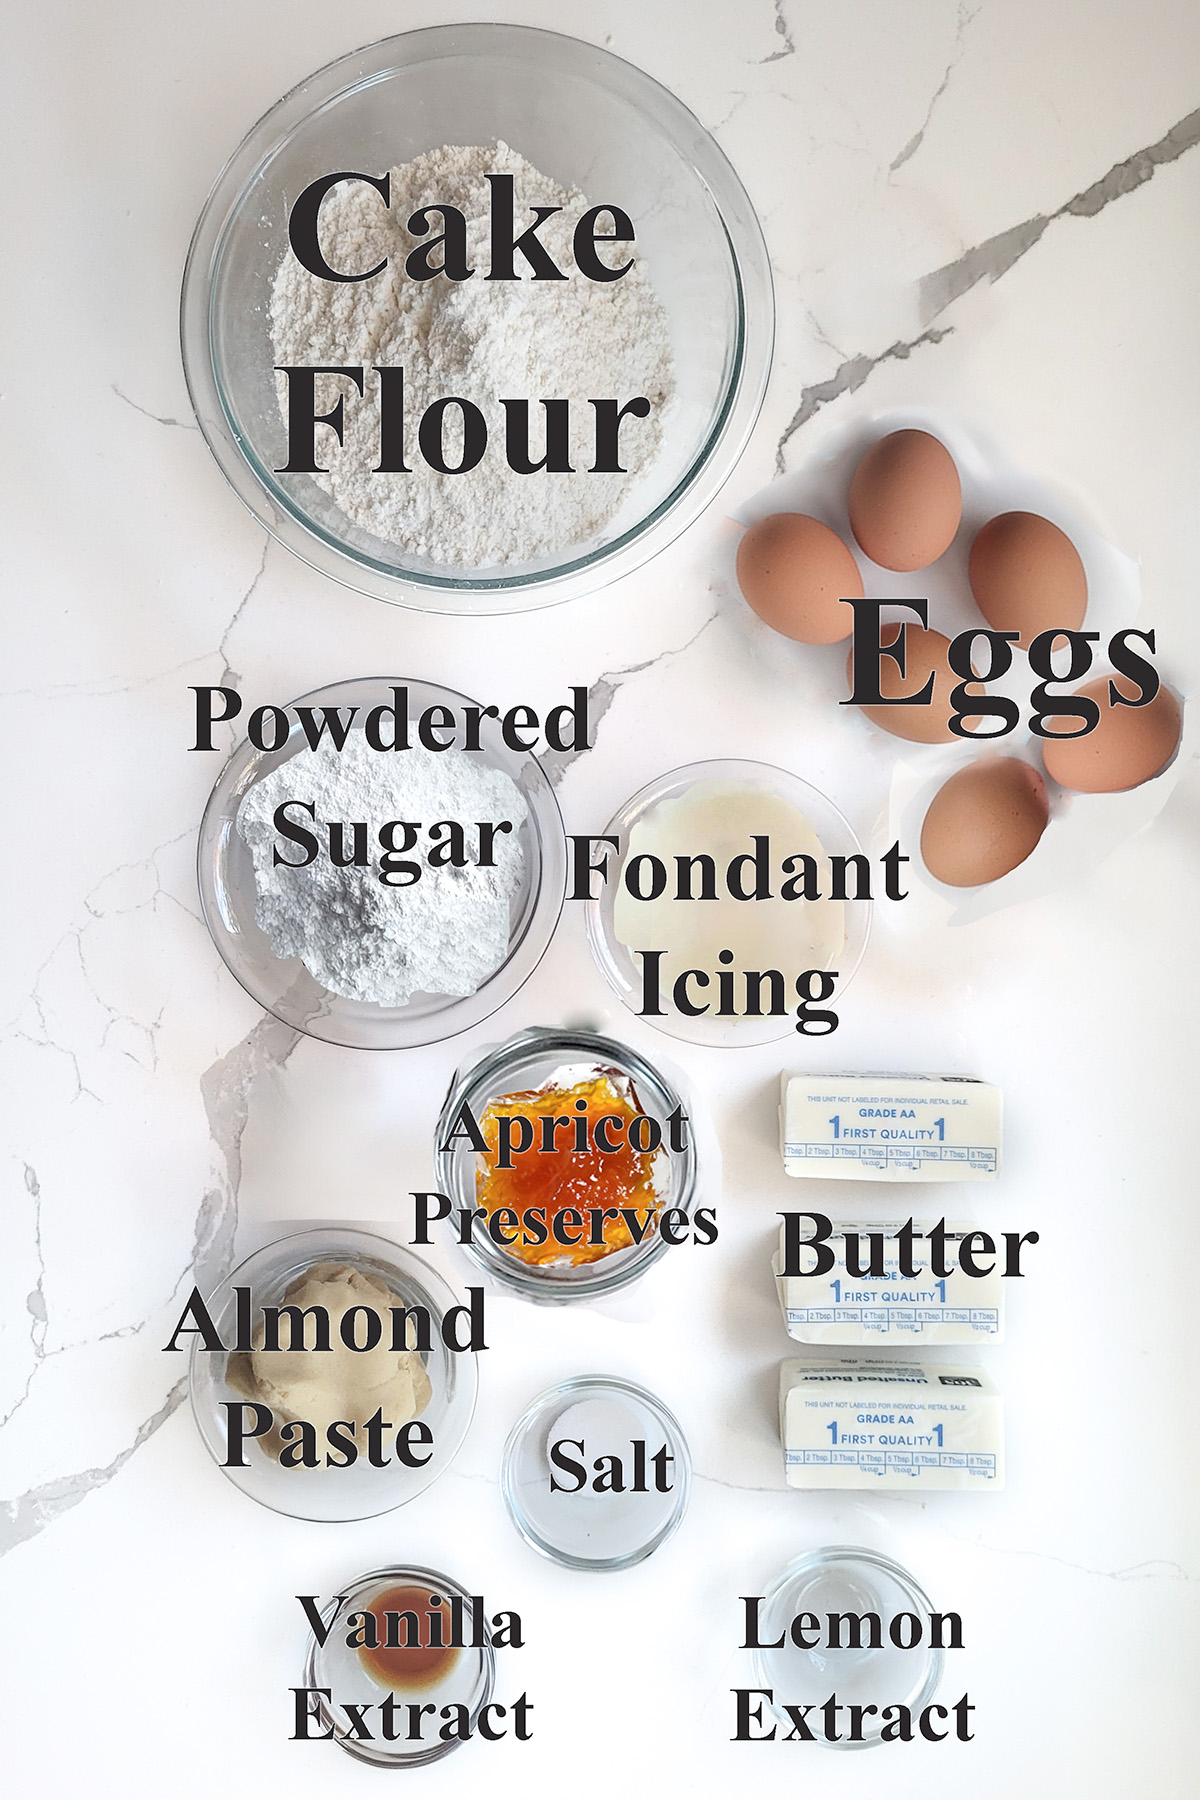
(889, 1309)
(890, 1127)
(852, 1423)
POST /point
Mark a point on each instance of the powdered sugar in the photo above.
(360, 937)
(478, 340)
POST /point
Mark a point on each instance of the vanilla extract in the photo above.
(405, 1638)
(409, 1639)
(401, 1666)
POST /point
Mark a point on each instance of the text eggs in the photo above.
(795, 572)
(984, 821)
(905, 501)
(925, 654)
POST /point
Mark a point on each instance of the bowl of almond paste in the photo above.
(345, 1345)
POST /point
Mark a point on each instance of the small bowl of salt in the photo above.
(374, 899)
(596, 1474)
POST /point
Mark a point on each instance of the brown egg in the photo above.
(924, 655)
(906, 501)
(984, 821)
(795, 572)
(1026, 576)
(1128, 746)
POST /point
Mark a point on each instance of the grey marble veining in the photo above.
(147, 1095)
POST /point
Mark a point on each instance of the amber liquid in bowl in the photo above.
(414, 1653)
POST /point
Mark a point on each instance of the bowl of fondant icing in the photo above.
(737, 906)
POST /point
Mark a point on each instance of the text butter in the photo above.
(890, 1127)
(886, 1305)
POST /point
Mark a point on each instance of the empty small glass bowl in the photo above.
(284, 986)
(585, 1520)
(339, 1667)
(359, 1491)
(845, 1578)
(615, 958)
(583, 118)
(526, 1063)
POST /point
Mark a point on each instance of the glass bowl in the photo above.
(527, 1062)
(284, 985)
(586, 1529)
(584, 118)
(336, 1666)
(615, 958)
(359, 1491)
(845, 1578)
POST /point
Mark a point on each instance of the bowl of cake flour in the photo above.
(376, 896)
(477, 318)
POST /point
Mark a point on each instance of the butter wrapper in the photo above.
(890, 1127)
(847, 1422)
(889, 1309)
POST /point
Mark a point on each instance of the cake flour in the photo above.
(356, 935)
(480, 341)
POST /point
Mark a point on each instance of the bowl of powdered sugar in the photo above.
(477, 318)
(375, 883)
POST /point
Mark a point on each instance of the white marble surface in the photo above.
(988, 208)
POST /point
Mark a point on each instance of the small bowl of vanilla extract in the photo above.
(400, 1670)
